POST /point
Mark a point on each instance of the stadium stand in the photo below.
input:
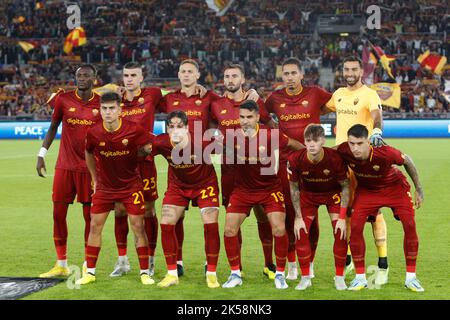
(257, 34)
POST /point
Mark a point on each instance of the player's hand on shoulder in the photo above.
(40, 167)
(251, 94)
(200, 90)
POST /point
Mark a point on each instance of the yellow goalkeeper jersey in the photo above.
(353, 107)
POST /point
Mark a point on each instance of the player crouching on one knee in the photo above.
(112, 149)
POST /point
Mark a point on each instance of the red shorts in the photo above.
(67, 184)
(147, 170)
(242, 201)
(369, 202)
(202, 197)
(227, 183)
(104, 202)
(311, 201)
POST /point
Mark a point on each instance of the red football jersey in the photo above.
(323, 176)
(116, 155)
(225, 112)
(257, 159)
(377, 172)
(142, 108)
(197, 109)
(185, 174)
(295, 112)
(77, 117)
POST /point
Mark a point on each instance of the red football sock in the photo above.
(291, 253)
(151, 229)
(314, 237)
(281, 247)
(60, 229)
(212, 245)
(179, 230)
(339, 251)
(233, 251)
(121, 233)
(142, 253)
(410, 241)
(87, 222)
(357, 244)
(92, 256)
(239, 235)
(169, 245)
(265, 235)
(303, 248)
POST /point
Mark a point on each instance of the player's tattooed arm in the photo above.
(90, 163)
(412, 172)
(48, 140)
(299, 223)
(295, 196)
(377, 119)
(345, 193)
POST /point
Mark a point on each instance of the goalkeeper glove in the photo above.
(376, 138)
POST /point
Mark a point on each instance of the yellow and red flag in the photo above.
(384, 59)
(26, 46)
(219, 6)
(389, 93)
(76, 38)
(432, 61)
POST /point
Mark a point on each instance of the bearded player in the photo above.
(358, 104)
(255, 150)
(296, 106)
(225, 117)
(77, 110)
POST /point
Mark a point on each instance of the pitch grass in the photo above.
(27, 246)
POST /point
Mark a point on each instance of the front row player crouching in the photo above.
(323, 179)
(256, 183)
(188, 180)
(380, 184)
(112, 149)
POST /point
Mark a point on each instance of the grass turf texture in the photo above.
(27, 246)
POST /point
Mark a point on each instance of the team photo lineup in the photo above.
(160, 164)
(117, 130)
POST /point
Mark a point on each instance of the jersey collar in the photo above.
(78, 97)
(106, 129)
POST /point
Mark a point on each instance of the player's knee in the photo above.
(231, 230)
(278, 229)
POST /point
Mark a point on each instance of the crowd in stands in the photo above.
(257, 34)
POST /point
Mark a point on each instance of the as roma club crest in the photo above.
(355, 102)
(102, 144)
(223, 111)
(305, 103)
(175, 103)
(141, 100)
(125, 142)
(95, 112)
(326, 172)
(376, 167)
(305, 173)
(282, 105)
(72, 109)
(198, 102)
